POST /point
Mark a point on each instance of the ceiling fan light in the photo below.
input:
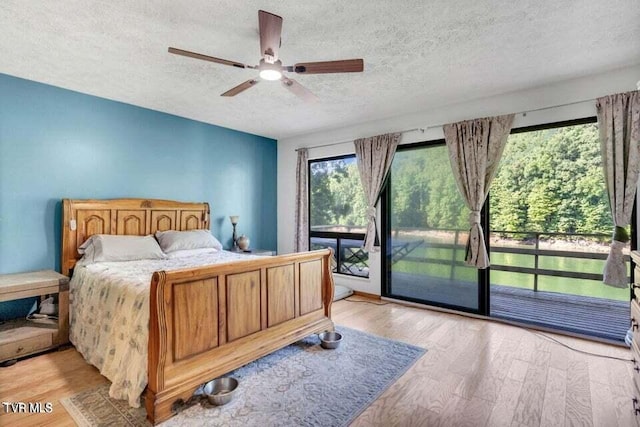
(270, 74)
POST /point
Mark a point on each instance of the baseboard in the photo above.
(366, 295)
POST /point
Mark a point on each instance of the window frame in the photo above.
(338, 236)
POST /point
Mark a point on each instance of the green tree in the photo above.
(551, 180)
(336, 198)
(424, 192)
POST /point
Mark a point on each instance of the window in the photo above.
(337, 213)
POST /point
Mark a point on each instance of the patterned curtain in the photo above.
(475, 148)
(374, 156)
(302, 202)
(619, 124)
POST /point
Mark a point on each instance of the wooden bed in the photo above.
(207, 321)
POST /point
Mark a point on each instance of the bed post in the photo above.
(154, 351)
(65, 253)
(329, 286)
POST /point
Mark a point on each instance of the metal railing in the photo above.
(349, 259)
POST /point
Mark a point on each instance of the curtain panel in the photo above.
(475, 148)
(374, 156)
(301, 242)
(619, 125)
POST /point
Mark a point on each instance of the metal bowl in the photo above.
(330, 339)
(221, 390)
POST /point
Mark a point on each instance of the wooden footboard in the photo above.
(208, 321)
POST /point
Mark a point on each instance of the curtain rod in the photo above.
(423, 129)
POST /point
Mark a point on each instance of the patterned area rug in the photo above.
(300, 385)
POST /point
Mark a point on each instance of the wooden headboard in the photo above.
(139, 217)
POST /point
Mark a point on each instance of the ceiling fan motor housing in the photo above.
(270, 71)
(265, 65)
(269, 56)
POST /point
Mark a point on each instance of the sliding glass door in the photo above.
(426, 224)
(550, 233)
(549, 226)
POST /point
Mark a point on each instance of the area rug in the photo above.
(299, 385)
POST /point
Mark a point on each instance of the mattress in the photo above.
(109, 316)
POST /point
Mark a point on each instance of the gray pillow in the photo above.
(171, 241)
(107, 247)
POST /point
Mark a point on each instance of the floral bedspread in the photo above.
(109, 316)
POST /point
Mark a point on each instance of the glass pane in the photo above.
(550, 218)
(353, 259)
(337, 202)
(428, 231)
(588, 288)
(322, 243)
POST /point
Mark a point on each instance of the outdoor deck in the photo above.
(597, 317)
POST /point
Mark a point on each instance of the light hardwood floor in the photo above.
(475, 373)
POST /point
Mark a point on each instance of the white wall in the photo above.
(583, 89)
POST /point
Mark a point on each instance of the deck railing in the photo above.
(348, 258)
(530, 238)
(537, 253)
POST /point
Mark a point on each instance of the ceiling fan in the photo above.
(271, 68)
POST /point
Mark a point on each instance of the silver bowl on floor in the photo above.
(330, 339)
(221, 390)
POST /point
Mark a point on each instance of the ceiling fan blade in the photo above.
(270, 32)
(240, 88)
(299, 90)
(342, 66)
(207, 58)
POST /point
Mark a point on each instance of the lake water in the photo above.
(572, 286)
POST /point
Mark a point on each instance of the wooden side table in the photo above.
(21, 337)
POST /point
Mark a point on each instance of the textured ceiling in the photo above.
(418, 54)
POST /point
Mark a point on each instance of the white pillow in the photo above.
(185, 253)
(171, 241)
(106, 247)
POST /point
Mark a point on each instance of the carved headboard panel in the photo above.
(83, 218)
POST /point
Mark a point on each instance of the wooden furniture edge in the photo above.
(36, 282)
(162, 406)
(20, 337)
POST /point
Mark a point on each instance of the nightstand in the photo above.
(21, 337)
(253, 251)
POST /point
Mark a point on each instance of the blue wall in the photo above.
(56, 143)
